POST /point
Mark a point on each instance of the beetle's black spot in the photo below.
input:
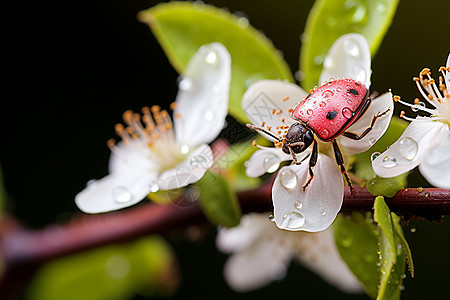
(353, 91)
(331, 115)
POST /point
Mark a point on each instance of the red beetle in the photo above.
(326, 112)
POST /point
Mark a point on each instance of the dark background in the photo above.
(72, 69)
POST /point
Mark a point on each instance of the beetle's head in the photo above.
(298, 139)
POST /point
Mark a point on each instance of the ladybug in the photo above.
(326, 113)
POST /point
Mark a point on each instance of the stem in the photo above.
(22, 251)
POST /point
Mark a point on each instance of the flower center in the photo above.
(436, 95)
(152, 135)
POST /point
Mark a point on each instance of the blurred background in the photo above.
(73, 68)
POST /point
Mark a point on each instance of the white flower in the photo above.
(155, 154)
(269, 104)
(258, 257)
(426, 141)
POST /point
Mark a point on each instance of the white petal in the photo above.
(131, 155)
(318, 252)
(348, 57)
(115, 191)
(189, 171)
(265, 97)
(251, 227)
(409, 150)
(202, 101)
(267, 160)
(378, 105)
(436, 165)
(447, 75)
(264, 260)
(320, 202)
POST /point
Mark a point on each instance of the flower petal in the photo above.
(251, 227)
(315, 208)
(447, 74)
(267, 160)
(348, 57)
(189, 171)
(202, 101)
(410, 149)
(318, 252)
(378, 105)
(115, 191)
(436, 165)
(265, 259)
(131, 155)
(263, 103)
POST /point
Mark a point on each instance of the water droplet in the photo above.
(351, 48)
(327, 94)
(389, 162)
(199, 5)
(293, 220)
(378, 264)
(299, 75)
(323, 213)
(402, 288)
(374, 156)
(185, 84)
(309, 111)
(359, 74)
(403, 276)
(345, 240)
(154, 187)
(199, 161)
(211, 57)
(331, 22)
(347, 113)
(243, 22)
(380, 7)
(328, 62)
(408, 148)
(182, 169)
(184, 149)
(318, 59)
(372, 141)
(298, 205)
(413, 229)
(427, 194)
(271, 218)
(121, 194)
(322, 103)
(209, 115)
(271, 163)
(325, 133)
(357, 10)
(288, 178)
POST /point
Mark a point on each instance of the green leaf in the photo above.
(403, 242)
(392, 255)
(357, 241)
(182, 27)
(363, 165)
(387, 187)
(218, 201)
(109, 272)
(329, 19)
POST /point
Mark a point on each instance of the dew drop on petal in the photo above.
(288, 178)
(351, 48)
(408, 148)
(199, 161)
(184, 149)
(243, 22)
(374, 156)
(271, 218)
(185, 84)
(154, 187)
(271, 163)
(389, 162)
(347, 113)
(293, 220)
(211, 57)
(298, 205)
(121, 194)
(323, 213)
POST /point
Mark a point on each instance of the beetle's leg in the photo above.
(294, 156)
(312, 163)
(356, 137)
(340, 162)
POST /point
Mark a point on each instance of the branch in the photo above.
(23, 250)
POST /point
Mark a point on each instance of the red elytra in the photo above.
(332, 108)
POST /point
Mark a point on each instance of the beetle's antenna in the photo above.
(251, 126)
